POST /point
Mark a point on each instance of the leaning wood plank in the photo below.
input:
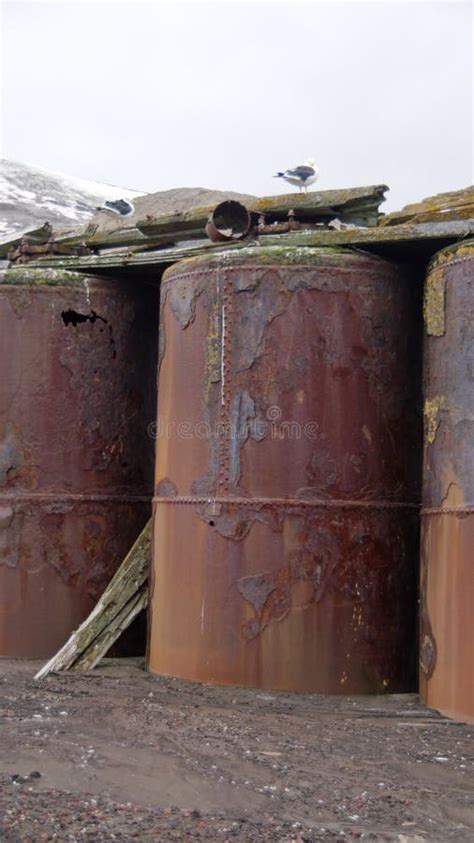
(113, 631)
(128, 580)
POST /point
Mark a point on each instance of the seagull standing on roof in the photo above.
(122, 207)
(301, 176)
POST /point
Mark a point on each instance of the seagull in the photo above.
(122, 207)
(301, 176)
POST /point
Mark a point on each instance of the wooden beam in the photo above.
(357, 205)
(390, 240)
(456, 205)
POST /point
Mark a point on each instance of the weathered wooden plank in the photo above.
(36, 236)
(117, 607)
(430, 235)
(358, 205)
(455, 205)
(112, 632)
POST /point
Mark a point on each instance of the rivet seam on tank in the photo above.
(460, 509)
(227, 324)
(294, 503)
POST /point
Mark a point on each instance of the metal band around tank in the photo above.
(295, 503)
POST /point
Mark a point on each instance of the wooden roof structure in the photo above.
(348, 217)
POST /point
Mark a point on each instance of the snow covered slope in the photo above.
(30, 196)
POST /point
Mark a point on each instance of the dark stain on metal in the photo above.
(295, 523)
(76, 463)
(71, 317)
(447, 536)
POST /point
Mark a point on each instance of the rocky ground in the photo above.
(121, 755)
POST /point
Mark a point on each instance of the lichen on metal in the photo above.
(434, 302)
(431, 412)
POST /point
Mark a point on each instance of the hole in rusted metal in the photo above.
(72, 317)
(211, 523)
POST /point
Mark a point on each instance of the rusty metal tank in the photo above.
(288, 471)
(76, 463)
(447, 533)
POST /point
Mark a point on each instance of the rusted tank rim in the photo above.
(279, 257)
(456, 253)
(434, 304)
(35, 277)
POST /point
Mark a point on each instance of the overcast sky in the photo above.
(157, 95)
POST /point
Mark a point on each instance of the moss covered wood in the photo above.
(396, 241)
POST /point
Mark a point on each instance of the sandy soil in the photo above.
(121, 755)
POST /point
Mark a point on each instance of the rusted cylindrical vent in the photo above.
(287, 479)
(229, 220)
(76, 463)
(447, 536)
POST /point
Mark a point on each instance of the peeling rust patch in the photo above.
(428, 655)
(11, 456)
(257, 589)
(183, 295)
(166, 488)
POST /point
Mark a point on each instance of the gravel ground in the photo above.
(121, 755)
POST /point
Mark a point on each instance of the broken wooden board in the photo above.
(358, 205)
(398, 242)
(125, 596)
(35, 236)
(444, 207)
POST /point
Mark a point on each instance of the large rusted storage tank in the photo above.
(76, 463)
(447, 535)
(288, 470)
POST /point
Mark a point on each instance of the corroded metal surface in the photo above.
(229, 220)
(287, 480)
(76, 463)
(447, 545)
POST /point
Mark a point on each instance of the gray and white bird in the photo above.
(122, 207)
(301, 176)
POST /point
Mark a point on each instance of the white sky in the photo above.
(159, 95)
